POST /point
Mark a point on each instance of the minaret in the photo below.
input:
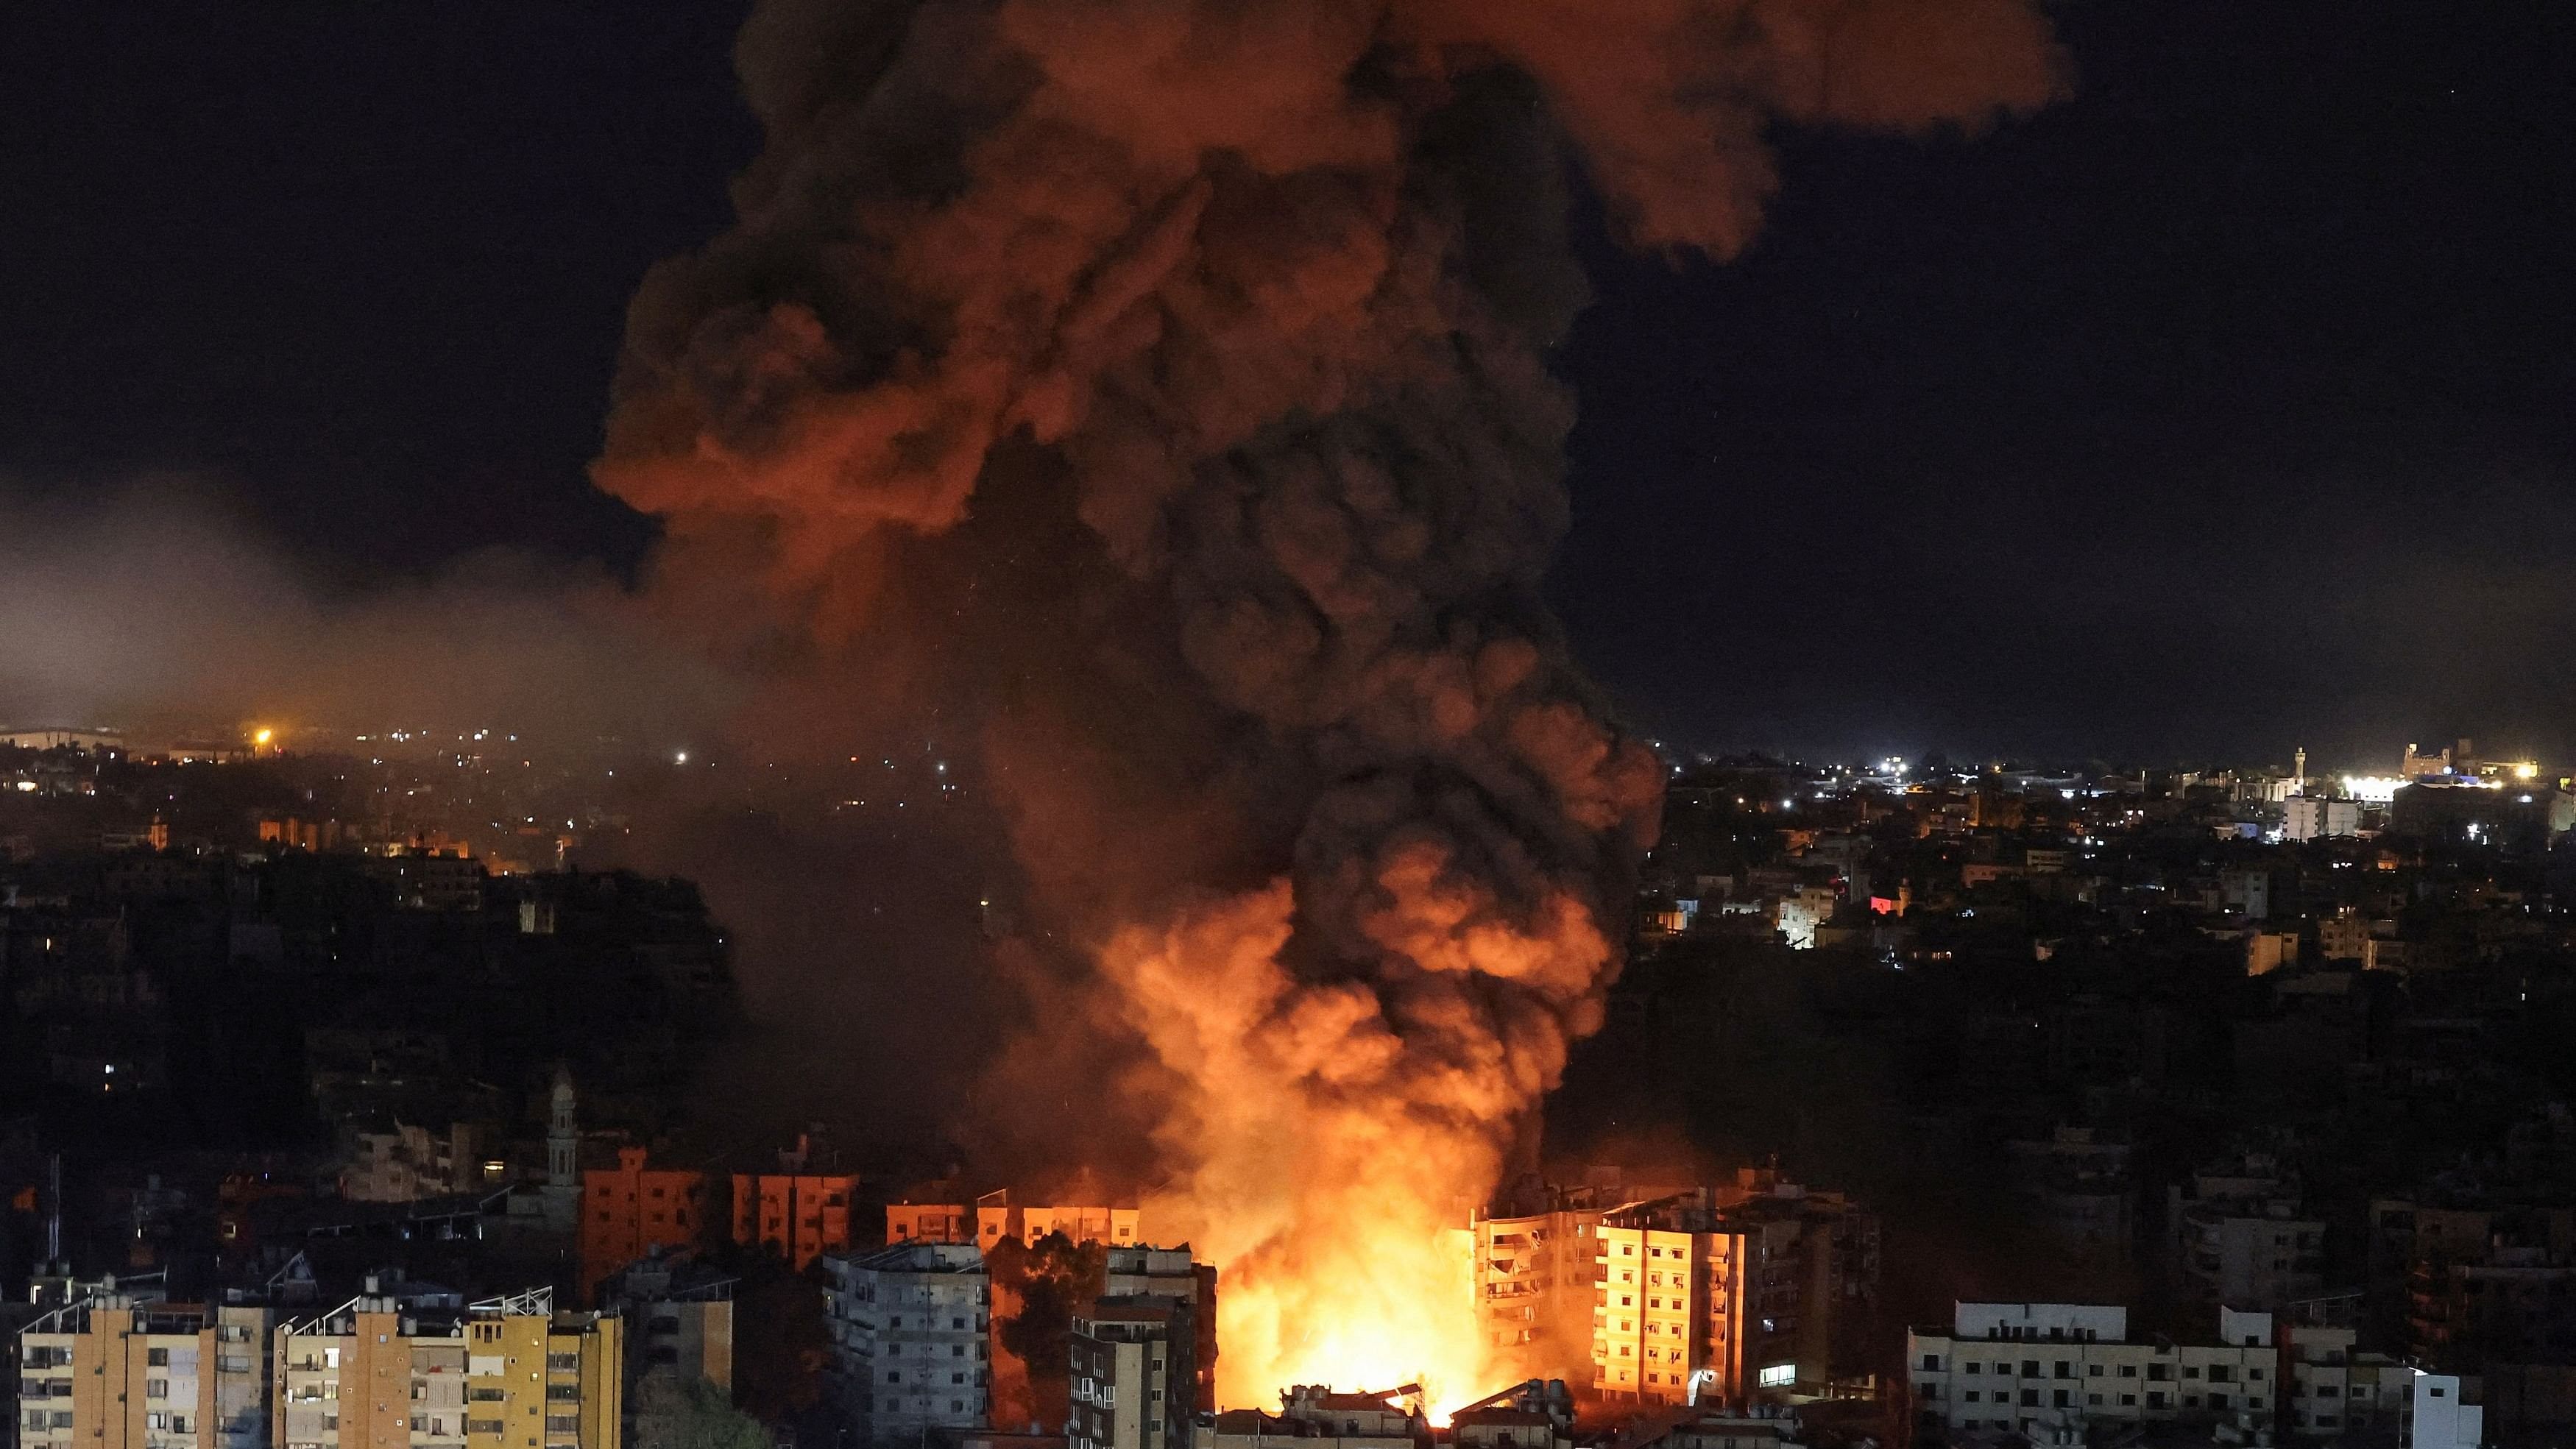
(563, 1136)
(2299, 772)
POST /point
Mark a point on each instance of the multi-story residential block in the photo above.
(119, 1370)
(997, 1217)
(1535, 1273)
(1134, 1376)
(2241, 1240)
(2020, 1367)
(929, 1222)
(631, 1209)
(909, 1350)
(1768, 1292)
(1170, 1275)
(404, 1162)
(800, 1214)
(419, 1368)
(679, 1333)
(2334, 1390)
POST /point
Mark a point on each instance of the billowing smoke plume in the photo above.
(1155, 388)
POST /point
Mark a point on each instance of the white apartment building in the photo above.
(2436, 1418)
(2314, 817)
(2031, 1366)
(908, 1328)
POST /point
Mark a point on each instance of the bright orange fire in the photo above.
(1340, 1132)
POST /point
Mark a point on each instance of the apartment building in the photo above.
(2024, 1366)
(2241, 1239)
(118, 1370)
(908, 1326)
(1171, 1275)
(803, 1215)
(1769, 1292)
(633, 1209)
(417, 1367)
(997, 1217)
(1535, 1274)
(679, 1333)
(1134, 1379)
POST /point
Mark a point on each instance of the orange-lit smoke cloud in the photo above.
(1171, 370)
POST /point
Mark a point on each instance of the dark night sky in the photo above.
(2225, 406)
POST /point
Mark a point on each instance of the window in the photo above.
(2155, 1399)
(2218, 1401)
(2191, 1371)
(2062, 1399)
(2128, 1370)
(2030, 1398)
(1970, 1396)
(2030, 1368)
(2129, 1401)
(156, 1388)
(2434, 1389)
(2095, 1400)
(1976, 1368)
(2219, 1373)
(157, 1357)
(2065, 1370)
(1932, 1361)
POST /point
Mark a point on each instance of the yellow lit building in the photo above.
(1758, 1291)
(428, 1371)
(117, 1371)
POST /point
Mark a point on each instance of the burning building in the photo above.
(1154, 393)
(1748, 1288)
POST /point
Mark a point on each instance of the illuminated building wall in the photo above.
(923, 1222)
(379, 1372)
(630, 1209)
(804, 1215)
(113, 1372)
(1763, 1286)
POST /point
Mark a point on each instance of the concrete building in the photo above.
(1134, 1376)
(800, 1212)
(2240, 1237)
(1534, 1285)
(1766, 1288)
(395, 1161)
(997, 1217)
(120, 1370)
(419, 1368)
(909, 1351)
(2438, 1418)
(1318, 1418)
(679, 1332)
(2077, 1185)
(2025, 1367)
(922, 1222)
(1171, 1275)
(2315, 817)
(631, 1209)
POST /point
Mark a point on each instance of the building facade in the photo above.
(908, 1326)
(1771, 1292)
(1134, 1382)
(2025, 1367)
(631, 1209)
(117, 1371)
(425, 1370)
(802, 1215)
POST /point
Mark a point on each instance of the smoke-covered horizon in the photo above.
(153, 606)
